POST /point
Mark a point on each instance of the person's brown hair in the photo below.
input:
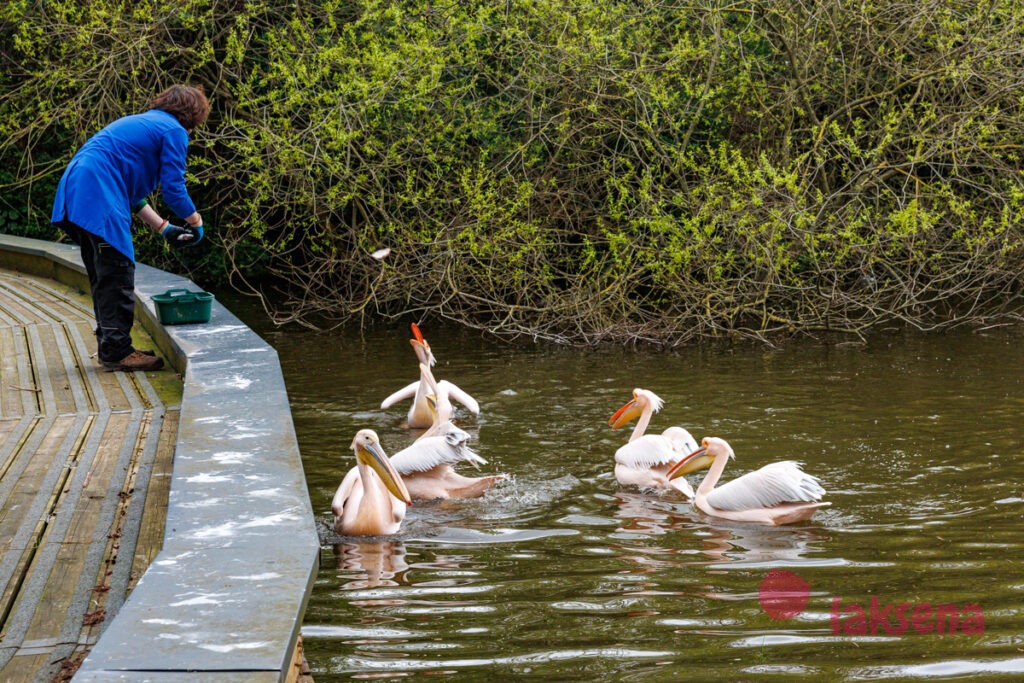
(186, 103)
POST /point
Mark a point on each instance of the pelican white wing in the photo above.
(651, 450)
(645, 452)
(774, 484)
(448, 389)
(448, 448)
(344, 492)
(403, 393)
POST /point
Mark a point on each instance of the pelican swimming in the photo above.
(646, 459)
(419, 413)
(779, 493)
(372, 497)
(426, 466)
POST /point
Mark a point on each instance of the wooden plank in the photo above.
(23, 379)
(34, 300)
(154, 515)
(19, 560)
(129, 389)
(25, 668)
(10, 398)
(17, 386)
(45, 355)
(109, 386)
(7, 427)
(6, 319)
(298, 670)
(59, 592)
(63, 303)
(100, 478)
(35, 464)
(14, 304)
(59, 301)
(31, 463)
(54, 382)
(105, 585)
(12, 445)
(69, 369)
(86, 365)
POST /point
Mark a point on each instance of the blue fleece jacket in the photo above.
(117, 168)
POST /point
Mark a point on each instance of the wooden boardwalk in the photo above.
(85, 462)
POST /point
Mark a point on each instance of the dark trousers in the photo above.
(112, 284)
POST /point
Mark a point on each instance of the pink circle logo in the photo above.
(783, 594)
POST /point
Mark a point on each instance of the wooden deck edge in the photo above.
(224, 599)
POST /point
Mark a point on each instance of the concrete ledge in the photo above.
(224, 599)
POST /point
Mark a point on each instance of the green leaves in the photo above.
(574, 171)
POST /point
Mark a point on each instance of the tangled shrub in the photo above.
(578, 172)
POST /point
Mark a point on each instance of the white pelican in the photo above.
(419, 414)
(646, 459)
(372, 497)
(427, 465)
(779, 493)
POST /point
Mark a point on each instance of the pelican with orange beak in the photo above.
(372, 498)
(646, 459)
(779, 493)
(419, 416)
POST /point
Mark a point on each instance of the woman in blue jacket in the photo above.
(110, 177)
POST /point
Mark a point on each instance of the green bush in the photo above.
(581, 172)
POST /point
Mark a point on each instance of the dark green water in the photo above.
(557, 573)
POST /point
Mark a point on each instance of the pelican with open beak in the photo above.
(779, 493)
(419, 416)
(372, 498)
(646, 459)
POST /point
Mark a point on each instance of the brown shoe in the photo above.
(136, 360)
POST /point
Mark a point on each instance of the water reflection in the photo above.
(755, 546)
(370, 564)
(651, 514)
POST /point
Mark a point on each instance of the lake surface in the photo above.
(559, 573)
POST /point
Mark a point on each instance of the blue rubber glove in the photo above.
(177, 236)
(197, 234)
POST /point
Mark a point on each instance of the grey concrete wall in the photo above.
(224, 599)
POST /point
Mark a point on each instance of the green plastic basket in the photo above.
(183, 307)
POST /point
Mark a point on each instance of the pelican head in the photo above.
(642, 398)
(369, 452)
(421, 347)
(711, 446)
